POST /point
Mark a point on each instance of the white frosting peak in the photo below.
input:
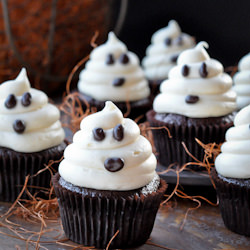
(97, 79)
(234, 160)
(42, 128)
(197, 54)
(166, 44)
(196, 74)
(83, 163)
(242, 82)
(17, 87)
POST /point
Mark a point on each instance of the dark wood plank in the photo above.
(204, 229)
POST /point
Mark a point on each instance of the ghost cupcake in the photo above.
(30, 136)
(113, 73)
(232, 175)
(197, 101)
(107, 182)
(242, 82)
(161, 55)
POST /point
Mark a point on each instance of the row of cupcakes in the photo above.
(107, 151)
(107, 182)
(195, 101)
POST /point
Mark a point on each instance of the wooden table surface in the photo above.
(203, 229)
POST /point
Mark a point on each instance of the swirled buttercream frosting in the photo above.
(166, 45)
(234, 160)
(242, 82)
(197, 87)
(28, 123)
(113, 73)
(108, 153)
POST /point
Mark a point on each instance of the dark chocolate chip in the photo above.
(118, 132)
(124, 59)
(174, 58)
(191, 99)
(10, 101)
(168, 41)
(203, 70)
(26, 99)
(118, 82)
(110, 59)
(114, 164)
(98, 134)
(19, 126)
(179, 41)
(185, 70)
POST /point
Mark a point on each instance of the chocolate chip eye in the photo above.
(19, 126)
(10, 101)
(114, 164)
(168, 41)
(124, 59)
(191, 99)
(26, 99)
(185, 70)
(203, 70)
(118, 82)
(179, 41)
(98, 134)
(110, 59)
(174, 58)
(118, 132)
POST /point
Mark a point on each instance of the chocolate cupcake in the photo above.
(242, 82)
(232, 175)
(113, 74)
(161, 55)
(107, 183)
(30, 136)
(195, 102)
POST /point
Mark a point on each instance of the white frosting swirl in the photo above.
(83, 163)
(216, 98)
(234, 160)
(242, 82)
(97, 77)
(42, 126)
(159, 55)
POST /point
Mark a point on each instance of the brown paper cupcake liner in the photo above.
(137, 108)
(15, 166)
(171, 150)
(92, 220)
(234, 198)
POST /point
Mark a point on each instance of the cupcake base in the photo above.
(15, 166)
(234, 202)
(92, 217)
(137, 108)
(185, 129)
(155, 86)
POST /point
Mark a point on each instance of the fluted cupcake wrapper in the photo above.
(93, 221)
(234, 202)
(171, 150)
(15, 166)
(137, 108)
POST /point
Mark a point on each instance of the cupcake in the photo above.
(107, 182)
(113, 74)
(30, 136)
(161, 55)
(195, 102)
(232, 175)
(242, 82)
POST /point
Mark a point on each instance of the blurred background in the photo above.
(50, 37)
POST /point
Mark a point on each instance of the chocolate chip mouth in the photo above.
(114, 164)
